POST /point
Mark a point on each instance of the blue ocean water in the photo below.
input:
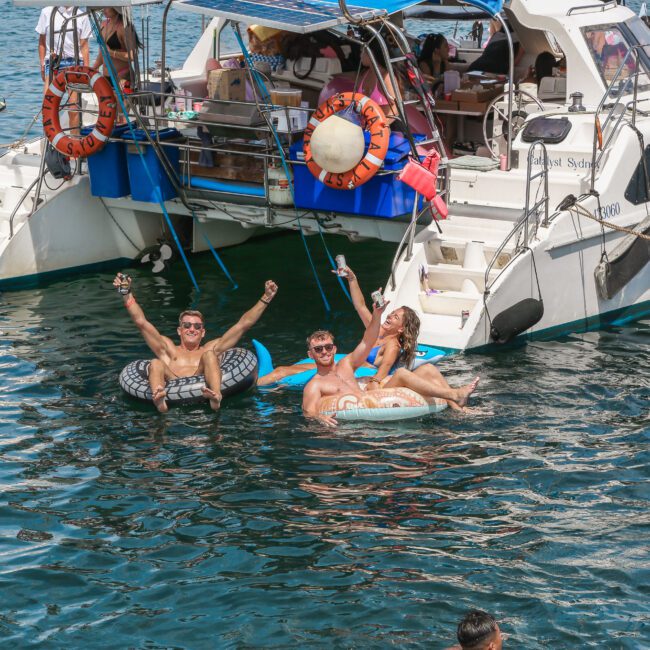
(121, 528)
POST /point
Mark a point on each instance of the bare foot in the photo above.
(214, 397)
(465, 391)
(159, 399)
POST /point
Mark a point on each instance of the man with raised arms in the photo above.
(190, 357)
(333, 379)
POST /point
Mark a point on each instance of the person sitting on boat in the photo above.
(265, 46)
(544, 64)
(433, 59)
(121, 44)
(495, 57)
(334, 379)
(191, 357)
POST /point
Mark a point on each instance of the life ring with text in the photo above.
(238, 373)
(77, 147)
(372, 120)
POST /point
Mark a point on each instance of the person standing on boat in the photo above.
(121, 44)
(192, 356)
(65, 31)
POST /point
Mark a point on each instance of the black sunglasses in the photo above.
(189, 326)
(328, 347)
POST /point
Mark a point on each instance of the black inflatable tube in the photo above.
(238, 373)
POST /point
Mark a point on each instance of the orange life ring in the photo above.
(372, 119)
(77, 147)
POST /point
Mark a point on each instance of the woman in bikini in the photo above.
(121, 43)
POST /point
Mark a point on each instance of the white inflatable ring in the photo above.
(381, 405)
(238, 373)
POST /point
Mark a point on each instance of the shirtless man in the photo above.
(190, 357)
(333, 378)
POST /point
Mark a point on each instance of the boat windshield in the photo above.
(609, 46)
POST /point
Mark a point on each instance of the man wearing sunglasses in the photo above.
(191, 356)
(336, 378)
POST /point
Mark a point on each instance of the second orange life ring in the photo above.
(68, 145)
(372, 119)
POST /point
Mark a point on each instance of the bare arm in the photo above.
(310, 398)
(357, 357)
(160, 345)
(85, 52)
(232, 336)
(41, 54)
(358, 301)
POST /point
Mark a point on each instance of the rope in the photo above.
(213, 251)
(276, 137)
(585, 213)
(109, 66)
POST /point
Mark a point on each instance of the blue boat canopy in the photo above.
(301, 16)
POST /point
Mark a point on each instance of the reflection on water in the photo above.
(256, 528)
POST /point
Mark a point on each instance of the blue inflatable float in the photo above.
(424, 354)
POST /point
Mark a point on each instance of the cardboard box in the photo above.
(473, 107)
(229, 166)
(227, 84)
(484, 95)
(445, 105)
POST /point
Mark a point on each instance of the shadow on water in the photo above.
(253, 527)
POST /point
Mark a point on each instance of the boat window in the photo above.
(609, 48)
(637, 191)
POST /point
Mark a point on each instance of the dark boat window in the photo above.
(637, 191)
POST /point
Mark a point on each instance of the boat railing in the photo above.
(614, 112)
(407, 240)
(531, 213)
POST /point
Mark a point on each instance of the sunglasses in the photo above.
(189, 326)
(328, 347)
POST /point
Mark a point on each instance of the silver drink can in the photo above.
(377, 298)
(124, 287)
(340, 266)
(464, 315)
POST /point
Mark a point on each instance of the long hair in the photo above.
(431, 43)
(408, 339)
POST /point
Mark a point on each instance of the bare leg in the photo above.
(157, 379)
(431, 374)
(284, 371)
(209, 367)
(408, 379)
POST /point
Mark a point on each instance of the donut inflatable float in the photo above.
(385, 404)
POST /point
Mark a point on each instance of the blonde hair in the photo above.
(191, 312)
(408, 338)
(319, 335)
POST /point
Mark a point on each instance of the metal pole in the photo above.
(163, 53)
(511, 82)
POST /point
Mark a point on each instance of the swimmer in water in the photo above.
(191, 357)
(334, 379)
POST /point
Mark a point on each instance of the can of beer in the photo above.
(464, 315)
(377, 298)
(125, 285)
(340, 266)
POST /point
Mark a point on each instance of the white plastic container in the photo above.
(451, 81)
(279, 185)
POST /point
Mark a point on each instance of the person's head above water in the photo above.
(191, 328)
(479, 631)
(321, 347)
(403, 323)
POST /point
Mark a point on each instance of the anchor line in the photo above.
(214, 252)
(260, 82)
(581, 210)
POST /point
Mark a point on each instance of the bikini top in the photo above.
(113, 42)
(373, 354)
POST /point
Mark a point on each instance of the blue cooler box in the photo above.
(382, 196)
(141, 187)
(109, 176)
